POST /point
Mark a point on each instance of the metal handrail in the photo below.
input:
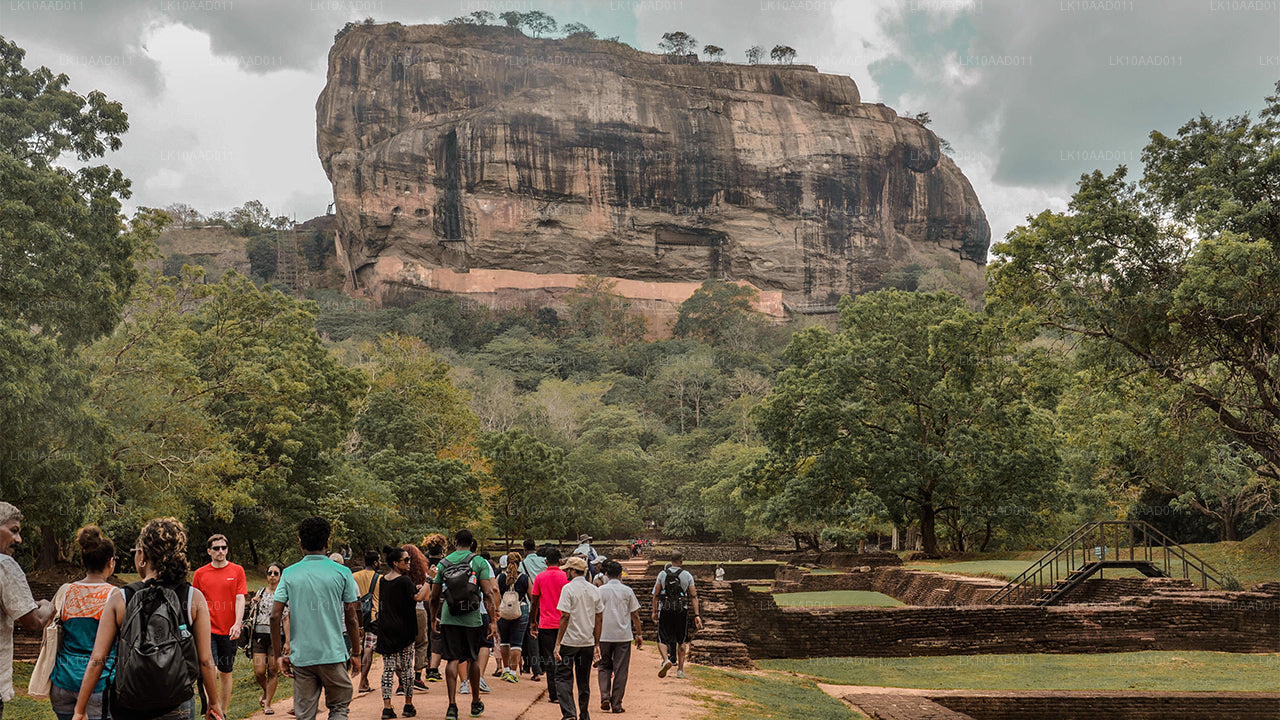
(1137, 530)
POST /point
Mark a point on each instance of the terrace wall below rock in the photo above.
(1113, 705)
(1157, 623)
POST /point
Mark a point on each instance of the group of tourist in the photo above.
(417, 607)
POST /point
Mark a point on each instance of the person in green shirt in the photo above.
(463, 581)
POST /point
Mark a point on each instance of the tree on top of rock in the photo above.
(753, 54)
(578, 31)
(677, 43)
(713, 52)
(538, 22)
(783, 54)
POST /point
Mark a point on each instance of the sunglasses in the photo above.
(216, 548)
(273, 572)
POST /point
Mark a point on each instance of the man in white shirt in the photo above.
(619, 625)
(16, 603)
(578, 639)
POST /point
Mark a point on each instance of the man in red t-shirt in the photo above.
(224, 589)
(544, 618)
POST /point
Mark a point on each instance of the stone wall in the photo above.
(1113, 705)
(1156, 624)
(933, 589)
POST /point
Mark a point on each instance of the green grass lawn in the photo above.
(836, 598)
(244, 698)
(1156, 671)
(766, 696)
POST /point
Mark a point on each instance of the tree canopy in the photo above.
(1177, 275)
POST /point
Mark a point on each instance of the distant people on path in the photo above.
(397, 628)
(224, 588)
(81, 608)
(719, 572)
(367, 587)
(619, 626)
(544, 617)
(513, 617)
(462, 583)
(140, 687)
(264, 660)
(577, 639)
(673, 596)
(323, 596)
(437, 545)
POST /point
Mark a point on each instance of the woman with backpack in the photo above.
(156, 686)
(81, 606)
(513, 617)
(264, 661)
(398, 627)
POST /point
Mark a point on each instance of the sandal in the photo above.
(268, 710)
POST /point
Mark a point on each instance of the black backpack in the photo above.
(366, 606)
(673, 595)
(461, 590)
(156, 662)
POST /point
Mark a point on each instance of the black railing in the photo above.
(1100, 545)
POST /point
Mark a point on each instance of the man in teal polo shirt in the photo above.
(462, 633)
(321, 595)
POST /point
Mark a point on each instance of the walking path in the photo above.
(647, 696)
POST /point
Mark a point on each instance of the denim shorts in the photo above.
(64, 703)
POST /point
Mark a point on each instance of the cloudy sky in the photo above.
(1030, 93)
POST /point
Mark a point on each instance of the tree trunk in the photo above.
(253, 553)
(48, 548)
(1230, 521)
(928, 529)
(986, 538)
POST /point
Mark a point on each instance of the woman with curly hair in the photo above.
(418, 569)
(161, 558)
(437, 546)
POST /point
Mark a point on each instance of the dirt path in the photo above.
(647, 696)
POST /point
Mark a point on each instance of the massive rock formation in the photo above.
(460, 148)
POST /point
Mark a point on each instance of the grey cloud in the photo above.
(1074, 85)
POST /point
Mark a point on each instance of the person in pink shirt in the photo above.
(544, 618)
(224, 588)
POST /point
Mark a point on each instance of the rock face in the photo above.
(460, 148)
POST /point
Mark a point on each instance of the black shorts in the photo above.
(673, 627)
(261, 643)
(224, 652)
(461, 643)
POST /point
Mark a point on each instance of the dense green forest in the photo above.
(1126, 364)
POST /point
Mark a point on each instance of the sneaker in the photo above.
(484, 686)
(388, 713)
(451, 713)
(409, 711)
(464, 687)
(418, 684)
(399, 689)
(510, 677)
(680, 674)
(662, 671)
(433, 676)
(477, 709)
